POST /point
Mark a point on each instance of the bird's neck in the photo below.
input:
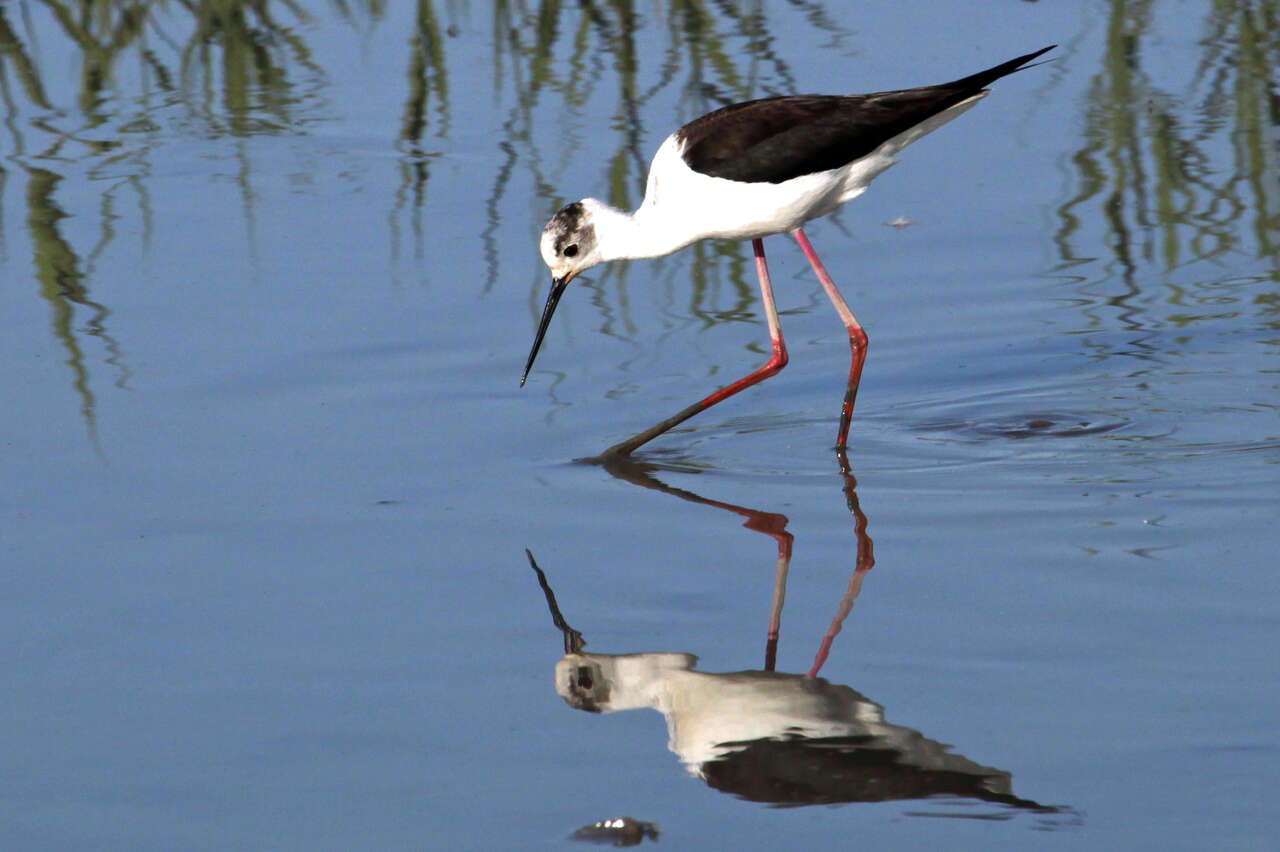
(621, 235)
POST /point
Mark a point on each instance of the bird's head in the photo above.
(569, 240)
(568, 247)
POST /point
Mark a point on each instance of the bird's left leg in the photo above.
(857, 337)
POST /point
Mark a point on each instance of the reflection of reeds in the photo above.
(14, 55)
(1170, 187)
(241, 45)
(599, 44)
(428, 78)
(232, 74)
(62, 284)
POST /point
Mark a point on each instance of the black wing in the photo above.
(775, 139)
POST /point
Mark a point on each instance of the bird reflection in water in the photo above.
(768, 736)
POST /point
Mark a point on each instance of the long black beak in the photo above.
(553, 299)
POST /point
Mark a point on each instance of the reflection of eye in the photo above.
(584, 673)
(571, 251)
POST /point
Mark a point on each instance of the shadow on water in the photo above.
(785, 739)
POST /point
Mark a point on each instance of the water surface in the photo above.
(269, 275)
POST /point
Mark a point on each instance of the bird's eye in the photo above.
(571, 251)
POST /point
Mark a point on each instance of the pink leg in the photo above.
(857, 337)
(776, 363)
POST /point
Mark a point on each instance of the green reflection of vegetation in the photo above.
(231, 73)
(428, 79)
(241, 44)
(15, 59)
(62, 284)
(1174, 182)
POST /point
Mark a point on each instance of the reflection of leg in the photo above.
(857, 337)
(779, 597)
(774, 525)
(776, 363)
(866, 559)
(846, 604)
(771, 524)
(866, 548)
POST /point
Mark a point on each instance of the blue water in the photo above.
(266, 293)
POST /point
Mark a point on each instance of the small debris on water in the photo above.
(620, 831)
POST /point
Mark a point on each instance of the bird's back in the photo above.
(779, 138)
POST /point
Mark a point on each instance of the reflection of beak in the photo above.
(557, 290)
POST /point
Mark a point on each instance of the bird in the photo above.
(750, 170)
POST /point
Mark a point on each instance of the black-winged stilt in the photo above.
(749, 170)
